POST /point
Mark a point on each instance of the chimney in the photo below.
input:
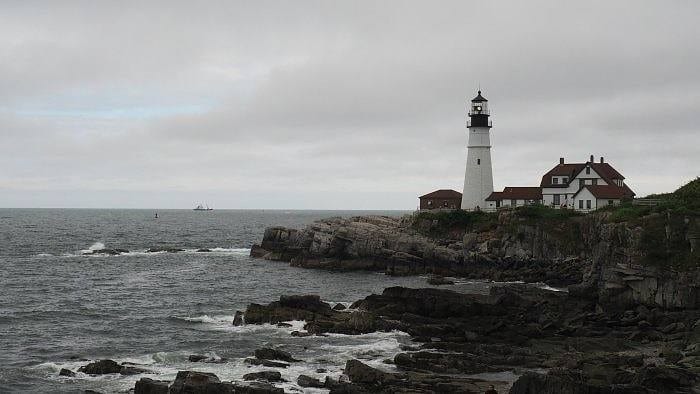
(602, 160)
(561, 160)
(592, 158)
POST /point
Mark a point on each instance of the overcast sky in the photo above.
(335, 105)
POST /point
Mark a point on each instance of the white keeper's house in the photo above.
(578, 186)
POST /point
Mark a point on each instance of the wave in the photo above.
(98, 249)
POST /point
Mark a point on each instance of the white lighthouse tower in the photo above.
(478, 177)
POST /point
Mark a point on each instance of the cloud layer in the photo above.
(320, 104)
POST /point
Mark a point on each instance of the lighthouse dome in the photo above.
(479, 98)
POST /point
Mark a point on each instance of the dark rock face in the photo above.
(608, 257)
(66, 372)
(164, 249)
(150, 386)
(270, 376)
(101, 367)
(195, 358)
(391, 245)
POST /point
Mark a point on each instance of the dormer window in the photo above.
(564, 180)
(555, 180)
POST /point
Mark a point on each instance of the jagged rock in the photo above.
(66, 372)
(364, 374)
(150, 386)
(195, 358)
(192, 382)
(238, 319)
(101, 367)
(339, 307)
(308, 381)
(270, 376)
(274, 354)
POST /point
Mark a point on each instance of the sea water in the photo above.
(60, 304)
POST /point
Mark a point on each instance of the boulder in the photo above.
(256, 388)
(270, 376)
(308, 381)
(66, 372)
(238, 319)
(361, 373)
(195, 358)
(339, 307)
(192, 382)
(150, 386)
(267, 353)
(101, 367)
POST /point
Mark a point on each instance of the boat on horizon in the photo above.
(204, 207)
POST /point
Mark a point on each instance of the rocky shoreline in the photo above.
(556, 341)
(621, 326)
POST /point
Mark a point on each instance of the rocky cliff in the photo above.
(649, 260)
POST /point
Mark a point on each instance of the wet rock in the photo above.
(195, 358)
(203, 250)
(339, 307)
(665, 378)
(150, 386)
(301, 334)
(101, 367)
(238, 319)
(266, 363)
(361, 373)
(129, 370)
(270, 376)
(66, 372)
(308, 381)
(284, 325)
(274, 354)
(192, 382)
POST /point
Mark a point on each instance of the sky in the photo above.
(335, 104)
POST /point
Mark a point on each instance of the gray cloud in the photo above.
(334, 105)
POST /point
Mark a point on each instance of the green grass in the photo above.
(444, 222)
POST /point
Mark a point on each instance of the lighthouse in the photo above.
(478, 177)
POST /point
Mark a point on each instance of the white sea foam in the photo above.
(93, 247)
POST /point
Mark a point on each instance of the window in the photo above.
(588, 170)
(594, 181)
(513, 203)
(478, 162)
(564, 180)
(556, 199)
(555, 180)
(580, 204)
(588, 204)
(610, 202)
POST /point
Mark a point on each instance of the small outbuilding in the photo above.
(441, 199)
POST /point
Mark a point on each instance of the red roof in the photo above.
(517, 193)
(443, 193)
(605, 170)
(608, 191)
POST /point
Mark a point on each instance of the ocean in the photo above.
(61, 305)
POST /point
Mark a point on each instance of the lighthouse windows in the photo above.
(478, 162)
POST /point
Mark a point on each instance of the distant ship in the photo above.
(204, 207)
